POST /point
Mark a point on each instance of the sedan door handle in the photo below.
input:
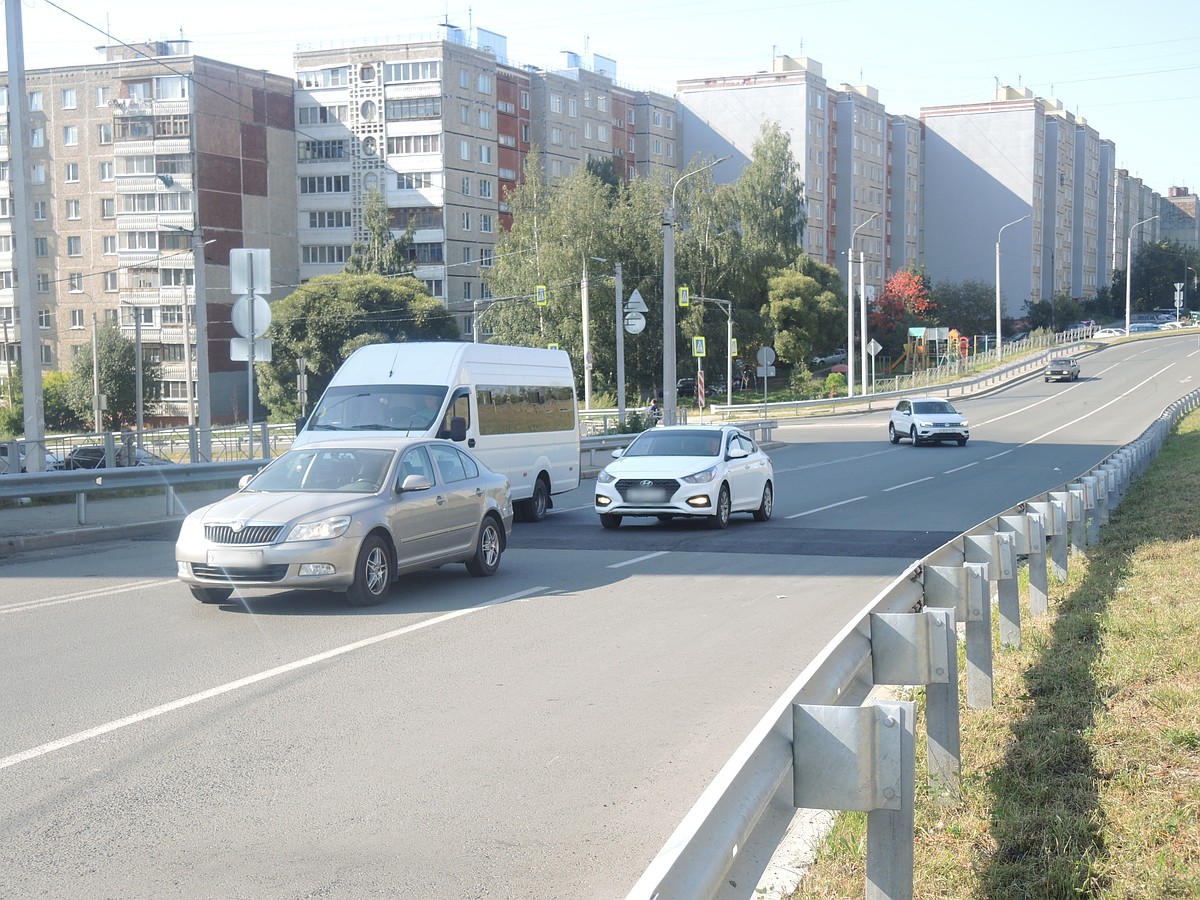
(441, 499)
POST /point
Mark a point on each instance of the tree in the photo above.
(906, 301)
(382, 253)
(968, 306)
(1055, 314)
(807, 307)
(60, 416)
(329, 317)
(118, 364)
(1157, 268)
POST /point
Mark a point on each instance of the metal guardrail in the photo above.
(819, 747)
(86, 482)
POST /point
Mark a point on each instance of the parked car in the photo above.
(91, 456)
(685, 387)
(706, 472)
(52, 462)
(927, 420)
(349, 516)
(837, 356)
(1143, 327)
(1062, 368)
(1110, 333)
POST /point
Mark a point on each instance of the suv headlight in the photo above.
(701, 477)
(320, 531)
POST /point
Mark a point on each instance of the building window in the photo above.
(601, 103)
(44, 318)
(466, 186)
(573, 107)
(325, 253)
(556, 103)
(5, 208)
(103, 95)
(485, 188)
(74, 245)
(72, 209)
(310, 150)
(109, 242)
(485, 257)
(414, 108)
(35, 101)
(71, 172)
(485, 154)
(430, 70)
(524, 99)
(333, 218)
(68, 98)
(485, 119)
(37, 173)
(41, 247)
(47, 355)
(413, 181)
(408, 144)
(110, 282)
(466, 221)
(39, 210)
(485, 223)
(43, 283)
(325, 184)
(483, 84)
(173, 315)
(70, 135)
(107, 170)
(77, 318)
(75, 282)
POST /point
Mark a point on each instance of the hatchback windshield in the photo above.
(350, 469)
(936, 407)
(675, 443)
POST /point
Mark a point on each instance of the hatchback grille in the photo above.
(240, 576)
(251, 534)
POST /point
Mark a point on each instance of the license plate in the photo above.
(645, 495)
(235, 559)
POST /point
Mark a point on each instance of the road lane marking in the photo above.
(897, 487)
(831, 462)
(117, 724)
(27, 605)
(638, 559)
(960, 468)
(809, 512)
(1053, 396)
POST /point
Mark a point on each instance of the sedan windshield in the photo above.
(676, 443)
(347, 469)
(937, 407)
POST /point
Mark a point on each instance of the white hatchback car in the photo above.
(927, 420)
(687, 470)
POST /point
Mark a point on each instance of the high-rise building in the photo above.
(129, 157)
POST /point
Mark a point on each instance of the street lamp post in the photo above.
(999, 313)
(585, 311)
(1129, 269)
(668, 387)
(850, 304)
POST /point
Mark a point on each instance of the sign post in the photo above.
(251, 314)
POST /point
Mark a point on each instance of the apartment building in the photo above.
(1180, 219)
(128, 157)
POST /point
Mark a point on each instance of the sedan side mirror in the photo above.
(414, 483)
(244, 480)
(737, 453)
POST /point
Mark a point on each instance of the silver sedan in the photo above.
(348, 516)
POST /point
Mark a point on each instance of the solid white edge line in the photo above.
(26, 605)
(809, 512)
(116, 724)
(638, 559)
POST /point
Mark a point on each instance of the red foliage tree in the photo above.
(906, 300)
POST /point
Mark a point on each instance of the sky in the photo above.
(1132, 70)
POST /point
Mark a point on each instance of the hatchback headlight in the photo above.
(320, 531)
(703, 477)
(604, 477)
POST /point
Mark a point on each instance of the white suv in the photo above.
(927, 420)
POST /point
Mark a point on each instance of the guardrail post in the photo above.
(922, 648)
(194, 445)
(1038, 514)
(170, 500)
(110, 451)
(1092, 501)
(1060, 518)
(965, 590)
(264, 439)
(1077, 517)
(862, 758)
(1014, 542)
(81, 508)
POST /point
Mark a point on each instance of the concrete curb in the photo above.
(84, 534)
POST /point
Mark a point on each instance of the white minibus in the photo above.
(514, 407)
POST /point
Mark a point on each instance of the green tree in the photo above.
(382, 253)
(807, 307)
(59, 414)
(118, 364)
(1055, 314)
(966, 306)
(1157, 268)
(329, 317)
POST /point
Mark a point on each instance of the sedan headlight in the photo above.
(604, 477)
(320, 531)
(703, 477)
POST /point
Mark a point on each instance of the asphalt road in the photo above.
(538, 734)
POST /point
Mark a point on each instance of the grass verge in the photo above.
(1083, 780)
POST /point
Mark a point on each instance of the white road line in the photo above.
(637, 559)
(116, 724)
(809, 512)
(1000, 454)
(27, 605)
(897, 487)
(960, 468)
(1053, 396)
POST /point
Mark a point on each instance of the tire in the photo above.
(892, 436)
(962, 442)
(372, 573)
(489, 546)
(912, 434)
(720, 518)
(210, 595)
(534, 509)
(609, 520)
(763, 513)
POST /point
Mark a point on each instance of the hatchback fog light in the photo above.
(316, 569)
(601, 500)
(701, 502)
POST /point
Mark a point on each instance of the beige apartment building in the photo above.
(128, 158)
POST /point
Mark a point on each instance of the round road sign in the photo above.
(240, 315)
(634, 322)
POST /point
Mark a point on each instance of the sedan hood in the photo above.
(659, 466)
(272, 506)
